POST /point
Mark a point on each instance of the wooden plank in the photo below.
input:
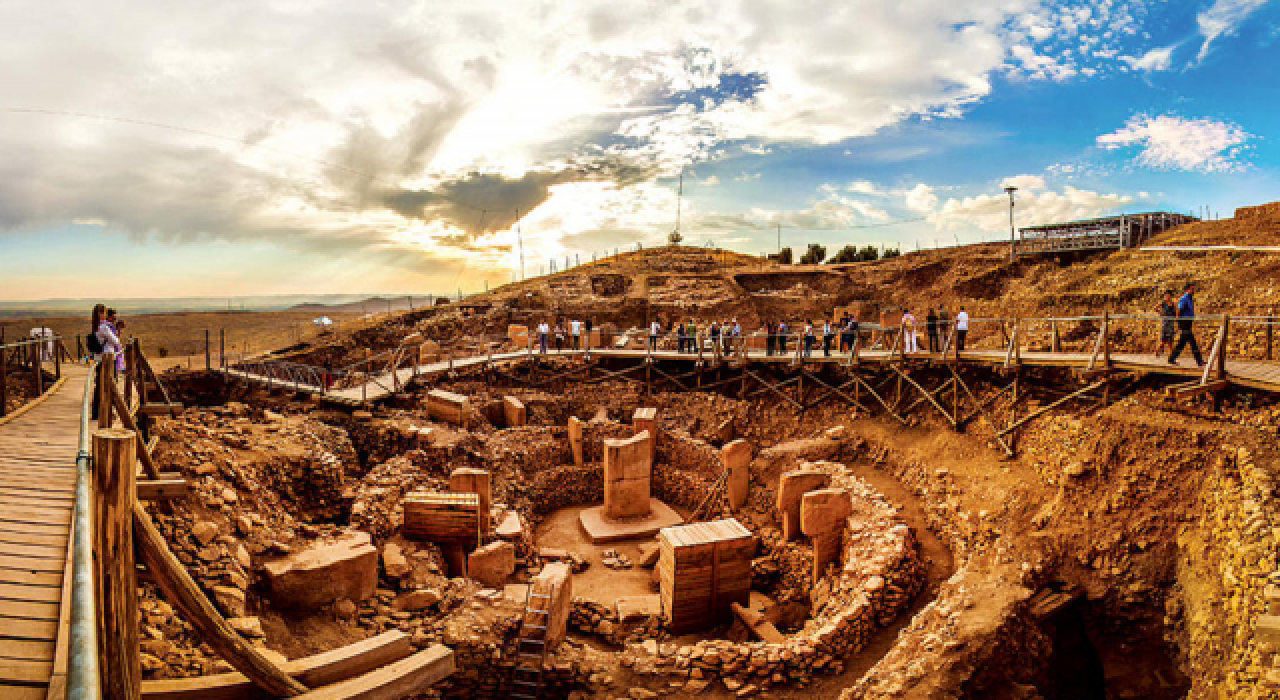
(29, 578)
(35, 594)
(31, 649)
(36, 495)
(162, 489)
(27, 563)
(27, 610)
(22, 692)
(25, 671)
(315, 671)
(17, 534)
(161, 409)
(48, 551)
(28, 629)
(397, 680)
(1185, 392)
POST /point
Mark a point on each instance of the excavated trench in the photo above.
(1131, 545)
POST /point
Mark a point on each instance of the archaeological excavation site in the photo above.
(434, 503)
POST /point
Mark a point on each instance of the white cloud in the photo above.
(747, 177)
(1175, 143)
(1221, 19)
(711, 181)
(866, 187)
(1026, 183)
(1157, 59)
(921, 198)
(990, 212)
(756, 150)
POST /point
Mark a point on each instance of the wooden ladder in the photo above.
(531, 646)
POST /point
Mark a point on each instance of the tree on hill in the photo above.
(847, 254)
(784, 256)
(868, 253)
(816, 254)
(892, 252)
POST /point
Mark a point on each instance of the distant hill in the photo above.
(281, 302)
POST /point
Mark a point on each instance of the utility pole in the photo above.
(779, 236)
(520, 240)
(1013, 251)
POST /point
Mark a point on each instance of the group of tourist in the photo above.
(105, 333)
(1180, 315)
(936, 321)
(577, 329)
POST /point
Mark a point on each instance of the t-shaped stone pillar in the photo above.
(628, 466)
(477, 481)
(575, 440)
(736, 457)
(791, 488)
(646, 420)
(514, 412)
(822, 516)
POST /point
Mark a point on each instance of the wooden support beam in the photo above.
(771, 386)
(160, 409)
(927, 395)
(838, 391)
(315, 671)
(982, 411)
(941, 388)
(162, 489)
(180, 590)
(877, 397)
(115, 575)
(403, 678)
(144, 455)
(1196, 389)
(1045, 409)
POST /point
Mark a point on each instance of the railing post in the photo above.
(106, 382)
(58, 349)
(4, 381)
(1222, 349)
(1271, 320)
(37, 368)
(222, 348)
(1055, 343)
(114, 460)
(208, 364)
(79, 347)
(1106, 339)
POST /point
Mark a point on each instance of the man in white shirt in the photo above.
(654, 329)
(962, 328)
(575, 329)
(543, 331)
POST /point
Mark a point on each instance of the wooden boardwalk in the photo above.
(37, 493)
(1253, 374)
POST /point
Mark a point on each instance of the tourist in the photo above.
(1186, 316)
(931, 326)
(575, 331)
(808, 337)
(851, 329)
(586, 333)
(680, 337)
(962, 328)
(543, 331)
(109, 337)
(714, 332)
(1168, 312)
(770, 339)
(782, 338)
(655, 328)
(691, 336)
(726, 337)
(908, 331)
(559, 337)
(827, 335)
(92, 342)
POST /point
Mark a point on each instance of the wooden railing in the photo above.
(30, 355)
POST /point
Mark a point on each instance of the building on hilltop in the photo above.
(1108, 232)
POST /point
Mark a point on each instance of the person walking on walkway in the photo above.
(109, 338)
(851, 329)
(962, 328)
(808, 337)
(559, 337)
(655, 328)
(1186, 316)
(543, 331)
(770, 338)
(782, 338)
(586, 333)
(827, 336)
(931, 325)
(691, 336)
(575, 330)
(714, 333)
(680, 337)
(1168, 312)
(908, 332)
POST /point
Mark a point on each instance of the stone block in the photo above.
(479, 482)
(646, 419)
(649, 553)
(1267, 629)
(448, 407)
(510, 528)
(575, 440)
(636, 607)
(826, 549)
(736, 457)
(554, 580)
(518, 335)
(514, 411)
(628, 467)
(823, 511)
(492, 564)
(230, 600)
(791, 489)
(345, 567)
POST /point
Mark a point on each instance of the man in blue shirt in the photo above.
(1186, 314)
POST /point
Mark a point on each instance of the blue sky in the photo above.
(258, 148)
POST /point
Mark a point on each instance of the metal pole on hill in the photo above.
(1013, 252)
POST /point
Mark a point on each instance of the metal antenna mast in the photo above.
(675, 236)
(520, 239)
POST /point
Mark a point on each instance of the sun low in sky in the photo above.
(162, 149)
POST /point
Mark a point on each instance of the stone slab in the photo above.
(600, 529)
(634, 607)
(575, 440)
(736, 457)
(514, 412)
(345, 567)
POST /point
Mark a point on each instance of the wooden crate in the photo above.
(442, 517)
(703, 569)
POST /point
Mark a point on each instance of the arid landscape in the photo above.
(1125, 551)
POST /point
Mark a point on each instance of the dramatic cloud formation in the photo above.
(1176, 143)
